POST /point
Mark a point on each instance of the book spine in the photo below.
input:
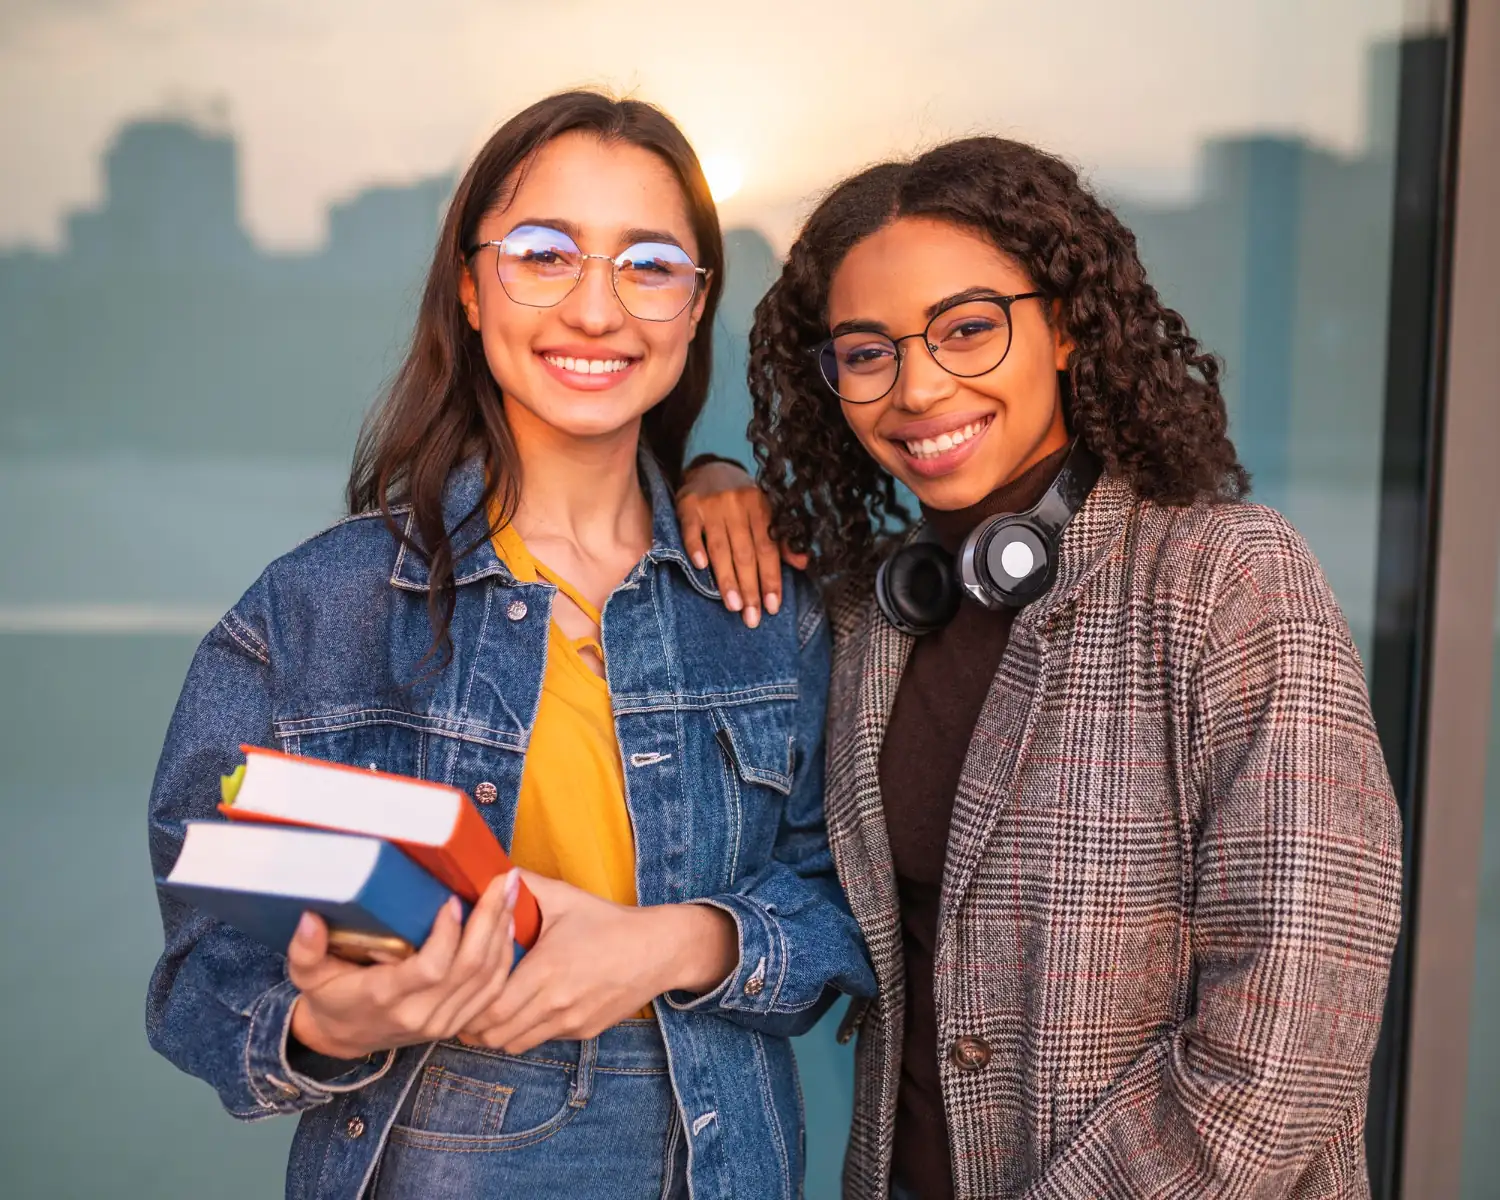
(477, 853)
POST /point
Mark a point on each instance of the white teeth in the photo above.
(931, 447)
(588, 366)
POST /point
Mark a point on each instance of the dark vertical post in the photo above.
(1409, 479)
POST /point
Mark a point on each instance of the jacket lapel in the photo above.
(1008, 717)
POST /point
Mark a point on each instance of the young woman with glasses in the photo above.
(1104, 788)
(509, 609)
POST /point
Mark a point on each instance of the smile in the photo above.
(588, 366)
(927, 448)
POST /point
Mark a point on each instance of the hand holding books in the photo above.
(347, 1011)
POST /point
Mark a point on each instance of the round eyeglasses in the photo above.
(538, 267)
(968, 338)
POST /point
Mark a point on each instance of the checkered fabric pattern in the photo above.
(1173, 875)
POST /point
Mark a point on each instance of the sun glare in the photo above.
(724, 174)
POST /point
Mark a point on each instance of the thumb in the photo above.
(307, 960)
(552, 895)
(793, 558)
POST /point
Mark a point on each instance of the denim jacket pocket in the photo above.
(381, 739)
(757, 742)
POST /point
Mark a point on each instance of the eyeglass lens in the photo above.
(968, 339)
(538, 266)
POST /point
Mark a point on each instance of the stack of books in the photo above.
(375, 855)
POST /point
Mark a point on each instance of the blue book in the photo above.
(262, 878)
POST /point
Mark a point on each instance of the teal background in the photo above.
(177, 406)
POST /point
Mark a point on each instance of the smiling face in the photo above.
(951, 440)
(584, 368)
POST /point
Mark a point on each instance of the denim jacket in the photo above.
(721, 735)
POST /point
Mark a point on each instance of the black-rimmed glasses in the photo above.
(538, 267)
(968, 338)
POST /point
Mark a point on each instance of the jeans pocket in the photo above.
(447, 1101)
(475, 1100)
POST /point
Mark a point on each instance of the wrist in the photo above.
(306, 1031)
(702, 947)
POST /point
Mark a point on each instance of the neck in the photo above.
(585, 491)
(1017, 494)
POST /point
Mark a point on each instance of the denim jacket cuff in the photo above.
(755, 982)
(275, 1082)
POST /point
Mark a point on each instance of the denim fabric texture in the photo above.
(595, 1120)
(721, 734)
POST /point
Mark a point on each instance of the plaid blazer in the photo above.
(1173, 875)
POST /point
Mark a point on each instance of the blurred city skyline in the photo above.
(326, 99)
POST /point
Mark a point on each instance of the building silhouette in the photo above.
(202, 344)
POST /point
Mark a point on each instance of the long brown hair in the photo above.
(444, 407)
(1140, 391)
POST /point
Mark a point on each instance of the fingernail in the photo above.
(700, 560)
(455, 908)
(512, 888)
(773, 604)
(306, 927)
(733, 600)
(752, 616)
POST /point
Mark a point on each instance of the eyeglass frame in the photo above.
(1003, 301)
(700, 277)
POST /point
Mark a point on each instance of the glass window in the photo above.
(213, 223)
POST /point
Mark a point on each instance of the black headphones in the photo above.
(1006, 561)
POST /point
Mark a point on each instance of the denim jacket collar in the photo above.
(468, 527)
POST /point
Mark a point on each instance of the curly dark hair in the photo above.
(1141, 393)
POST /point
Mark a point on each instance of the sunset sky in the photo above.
(326, 98)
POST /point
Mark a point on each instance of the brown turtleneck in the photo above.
(937, 706)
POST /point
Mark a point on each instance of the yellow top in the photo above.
(571, 819)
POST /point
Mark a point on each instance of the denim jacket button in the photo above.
(516, 610)
(754, 986)
(486, 792)
(355, 1127)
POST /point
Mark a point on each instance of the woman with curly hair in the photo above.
(1103, 784)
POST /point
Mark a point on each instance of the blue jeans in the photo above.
(594, 1120)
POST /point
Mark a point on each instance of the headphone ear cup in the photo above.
(917, 588)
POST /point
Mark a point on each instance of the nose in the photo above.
(921, 382)
(592, 306)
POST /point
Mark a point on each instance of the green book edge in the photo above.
(229, 785)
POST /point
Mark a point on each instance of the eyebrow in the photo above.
(865, 326)
(628, 237)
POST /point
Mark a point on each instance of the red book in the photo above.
(438, 826)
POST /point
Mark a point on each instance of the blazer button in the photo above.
(485, 792)
(355, 1127)
(970, 1053)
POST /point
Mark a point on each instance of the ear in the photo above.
(698, 306)
(1062, 342)
(468, 295)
